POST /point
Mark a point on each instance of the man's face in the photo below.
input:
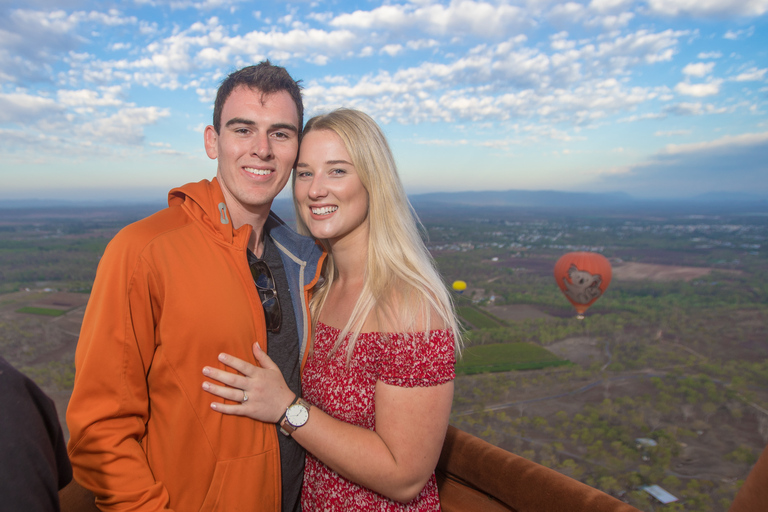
(256, 149)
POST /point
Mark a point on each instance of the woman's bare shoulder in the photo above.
(403, 311)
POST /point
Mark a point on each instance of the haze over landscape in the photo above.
(656, 98)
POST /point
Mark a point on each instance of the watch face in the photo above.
(297, 415)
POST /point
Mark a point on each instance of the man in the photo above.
(176, 289)
(33, 456)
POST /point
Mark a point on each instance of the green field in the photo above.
(41, 311)
(504, 357)
(477, 318)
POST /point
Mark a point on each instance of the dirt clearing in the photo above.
(645, 271)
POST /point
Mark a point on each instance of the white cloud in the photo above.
(693, 109)
(736, 35)
(728, 142)
(31, 41)
(24, 108)
(567, 13)
(148, 28)
(699, 90)
(443, 142)
(561, 42)
(208, 45)
(733, 163)
(641, 46)
(611, 22)
(392, 49)
(421, 44)
(698, 69)
(204, 5)
(709, 8)
(709, 55)
(751, 75)
(642, 117)
(609, 5)
(125, 127)
(459, 17)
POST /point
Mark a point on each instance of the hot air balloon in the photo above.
(459, 286)
(583, 277)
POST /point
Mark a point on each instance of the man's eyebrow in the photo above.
(249, 122)
(240, 120)
(284, 126)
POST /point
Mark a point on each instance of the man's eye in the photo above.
(281, 135)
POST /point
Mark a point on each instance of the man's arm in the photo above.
(109, 408)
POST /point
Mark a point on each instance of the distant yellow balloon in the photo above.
(459, 286)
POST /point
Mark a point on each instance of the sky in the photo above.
(655, 98)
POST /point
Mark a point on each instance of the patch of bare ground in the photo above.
(516, 312)
(532, 264)
(583, 351)
(61, 300)
(624, 270)
(632, 271)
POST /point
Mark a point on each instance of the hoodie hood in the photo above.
(204, 201)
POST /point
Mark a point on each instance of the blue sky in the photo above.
(658, 98)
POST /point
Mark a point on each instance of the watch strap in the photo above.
(282, 418)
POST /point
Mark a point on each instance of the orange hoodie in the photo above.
(172, 291)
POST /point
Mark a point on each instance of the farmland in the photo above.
(675, 351)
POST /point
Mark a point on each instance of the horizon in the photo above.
(656, 99)
(120, 198)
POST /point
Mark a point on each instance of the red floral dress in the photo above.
(348, 394)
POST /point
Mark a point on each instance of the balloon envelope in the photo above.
(583, 277)
(459, 286)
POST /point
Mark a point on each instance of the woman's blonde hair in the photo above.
(402, 287)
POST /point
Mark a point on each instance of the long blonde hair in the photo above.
(401, 281)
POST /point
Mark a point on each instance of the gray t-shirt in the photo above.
(283, 349)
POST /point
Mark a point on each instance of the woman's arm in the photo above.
(396, 460)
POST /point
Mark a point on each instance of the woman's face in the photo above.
(332, 200)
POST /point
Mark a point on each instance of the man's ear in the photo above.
(211, 138)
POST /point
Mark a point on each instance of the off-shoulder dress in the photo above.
(348, 393)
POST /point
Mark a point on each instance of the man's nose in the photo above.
(263, 147)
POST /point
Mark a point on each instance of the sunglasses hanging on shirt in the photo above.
(265, 285)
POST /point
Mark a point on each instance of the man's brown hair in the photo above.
(263, 77)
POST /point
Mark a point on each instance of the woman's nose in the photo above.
(317, 188)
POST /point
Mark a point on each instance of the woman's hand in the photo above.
(267, 393)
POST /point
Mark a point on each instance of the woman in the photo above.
(378, 385)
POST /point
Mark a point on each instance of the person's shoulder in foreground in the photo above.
(33, 456)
